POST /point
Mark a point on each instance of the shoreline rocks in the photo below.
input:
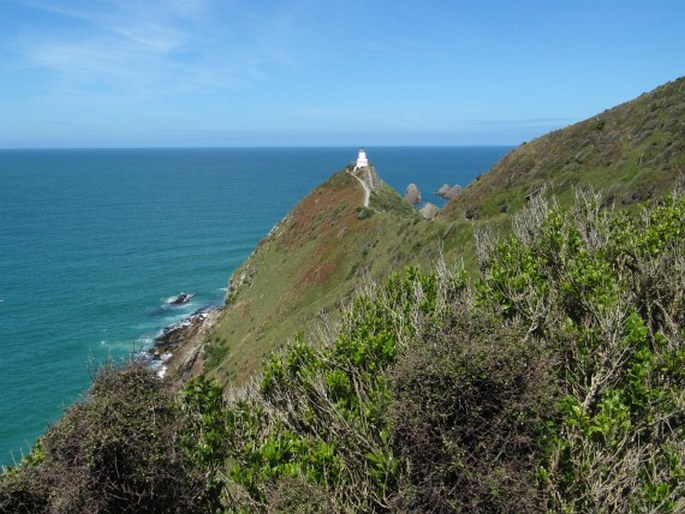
(176, 351)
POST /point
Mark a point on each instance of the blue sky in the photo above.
(108, 73)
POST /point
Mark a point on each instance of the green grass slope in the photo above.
(631, 153)
(300, 272)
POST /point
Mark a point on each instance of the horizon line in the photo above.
(238, 147)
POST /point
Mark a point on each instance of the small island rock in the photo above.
(448, 192)
(429, 211)
(412, 195)
(181, 299)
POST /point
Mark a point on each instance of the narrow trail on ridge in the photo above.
(367, 191)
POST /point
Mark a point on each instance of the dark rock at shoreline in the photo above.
(181, 299)
(178, 348)
(175, 335)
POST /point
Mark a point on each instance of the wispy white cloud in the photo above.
(75, 58)
(151, 37)
(168, 44)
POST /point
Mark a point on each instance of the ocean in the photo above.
(95, 243)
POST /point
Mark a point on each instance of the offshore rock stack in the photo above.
(412, 195)
(429, 211)
(448, 192)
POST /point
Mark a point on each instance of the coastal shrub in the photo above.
(299, 496)
(559, 387)
(316, 419)
(554, 383)
(607, 289)
(215, 350)
(116, 451)
(22, 491)
(469, 403)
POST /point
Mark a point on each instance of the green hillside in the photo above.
(631, 153)
(305, 267)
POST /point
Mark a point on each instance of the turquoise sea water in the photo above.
(94, 242)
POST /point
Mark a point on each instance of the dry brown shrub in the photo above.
(469, 401)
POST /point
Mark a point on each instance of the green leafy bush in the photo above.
(608, 289)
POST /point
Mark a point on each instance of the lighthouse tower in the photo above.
(362, 161)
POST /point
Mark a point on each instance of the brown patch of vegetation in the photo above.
(318, 274)
(330, 207)
(469, 400)
(118, 451)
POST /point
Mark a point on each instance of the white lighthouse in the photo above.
(362, 161)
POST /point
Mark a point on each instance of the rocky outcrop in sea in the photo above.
(180, 299)
(448, 192)
(429, 211)
(412, 195)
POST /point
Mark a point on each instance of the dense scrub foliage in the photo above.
(606, 294)
(313, 430)
(118, 451)
(552, 383)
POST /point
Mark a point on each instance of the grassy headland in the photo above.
(313, 260)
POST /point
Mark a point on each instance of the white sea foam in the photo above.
(143, 344)
(152, 363)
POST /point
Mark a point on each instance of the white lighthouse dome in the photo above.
(362, 161)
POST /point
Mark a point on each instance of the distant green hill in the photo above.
(631, 153)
